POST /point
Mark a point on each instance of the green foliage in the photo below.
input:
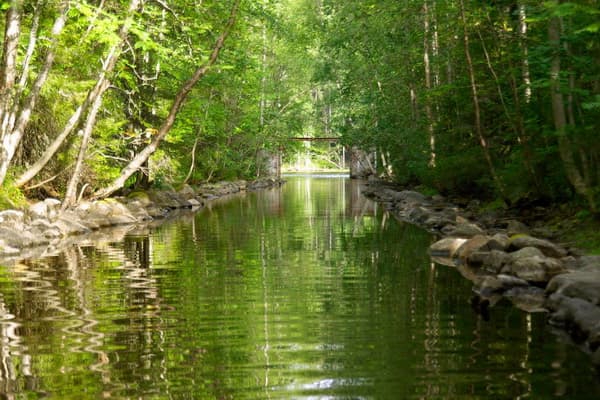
(352, 69)
(11, 197)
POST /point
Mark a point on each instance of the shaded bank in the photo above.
(43, 228)
(504, 258)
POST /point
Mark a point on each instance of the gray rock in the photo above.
(12, 219)
(514, 227)
(589, 262)
(418, 215)
(7, 250)
(526, 252)
(535, 269)
(16, 238)
(437, 221)
(38, 210)
(69, 227)
(578, 316)
(491, 261)
(579, 284)
(53, 207)
(548, 248)
(466, 230)
(446, 247)
(448, 229)
(411, 197)
(187, 192)
(489, 285)
(510, 281)
(195, 203)
(499, 241)
(53, 233)
(475, 243)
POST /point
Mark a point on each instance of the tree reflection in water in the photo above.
(310, 291)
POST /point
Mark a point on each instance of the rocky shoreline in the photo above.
(43, 229)
(504, 258)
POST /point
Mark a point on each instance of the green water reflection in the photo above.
(309, 292)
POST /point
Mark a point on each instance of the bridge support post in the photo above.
(361, 163)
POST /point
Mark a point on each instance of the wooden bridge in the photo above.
(315, 139)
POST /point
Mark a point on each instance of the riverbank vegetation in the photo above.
(496, 100)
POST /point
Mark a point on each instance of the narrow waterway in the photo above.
(305, 292)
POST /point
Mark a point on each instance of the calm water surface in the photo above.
(308, 292)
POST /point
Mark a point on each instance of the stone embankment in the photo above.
(43, 228)
(504, 259)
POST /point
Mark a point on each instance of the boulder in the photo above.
(7, 250)
(492, 261)
(12, 219)
(579, 317)
(499, 241)
(195, 203)
(38, 210)
(589, 262)
(418, 215)
(139, 197)
(437, 221)
(491, 284)
(514, 227)
(475, 243)
(526, 252)
(536, 269)
(410, 197)
(466, 229)
(583, 284)
(187, 192)
(446, 247)
(16, 238)
(53, 207)
(548, 248)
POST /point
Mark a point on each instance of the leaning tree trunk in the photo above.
(71, 194)
(565, 147)
(15, 119)
(93, 93)
(180, 97)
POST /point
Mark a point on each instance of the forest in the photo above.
(495, 100)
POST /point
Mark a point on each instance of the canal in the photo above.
(310, 291)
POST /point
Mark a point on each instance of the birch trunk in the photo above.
(71, 193)
(8, 68)
(427, 66)
(75, 119)
(12, 137)
(524, 51)
(180, 97)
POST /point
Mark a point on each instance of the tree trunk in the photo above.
(8, 68)
(427, 67)
(33, 36)
(108, 66)
(180, 97)
(476, 106)
(524, 51)
(559, 114)
(71, 194)
(13, 135)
